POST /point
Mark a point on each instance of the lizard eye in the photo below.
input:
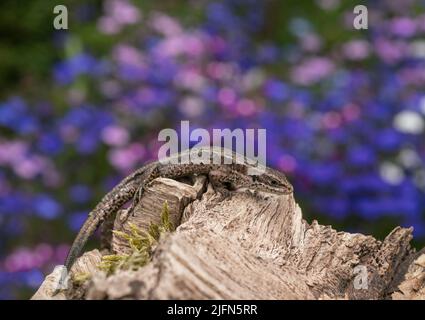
(274, 182)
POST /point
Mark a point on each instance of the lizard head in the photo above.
(272, 181)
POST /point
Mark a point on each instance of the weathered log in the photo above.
(250, 246)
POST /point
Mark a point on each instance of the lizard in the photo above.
(222, 167)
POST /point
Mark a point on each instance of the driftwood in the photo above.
(248, 246)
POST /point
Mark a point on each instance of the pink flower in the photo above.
(11, 152)
(287, 163)
(28, 168)
(115, 136)
(108, 25)
(351, 112)
(123, 11)
(126, 159)
(118, 14)
(246, 107)
(191, 79)
(390, 51)
(311, 42)
(332, 120)
(128, 55)
(192, 106)
(403, 27)
(356, 49)
(220, 71)
(226, 96)
(25, 258)
(190, 44)
(164, 24)
(312, 71)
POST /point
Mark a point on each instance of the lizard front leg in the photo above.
(225, 180)
(150, 174)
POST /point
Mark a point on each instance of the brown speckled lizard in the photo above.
(224, 170)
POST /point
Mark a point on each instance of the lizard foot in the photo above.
(259, 196)
(222, 193)
(136, 199)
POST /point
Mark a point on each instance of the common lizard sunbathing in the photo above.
(223, 168)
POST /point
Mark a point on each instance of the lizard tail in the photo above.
(89, 226)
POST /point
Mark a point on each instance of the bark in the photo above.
(248, 246)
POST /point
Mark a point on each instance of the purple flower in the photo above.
(83, 63)
(276, 90)
(390, 51)
(329, 116)
(388, 140)
(80, 193)
(403, 27)
(220, 16)
(77, 219)
(50, 143)
(361, 156)
(267, 53)
(312, 70)
(34, 278)
(324, 174)
(14, 114)
(356, 49)
(14, 203)
(46, 207)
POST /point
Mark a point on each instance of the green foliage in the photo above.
(141, 244)
(80, 277)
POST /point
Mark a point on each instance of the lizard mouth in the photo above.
(276, 190)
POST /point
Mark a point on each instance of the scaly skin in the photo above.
(223, 177)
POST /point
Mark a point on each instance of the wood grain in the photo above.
(253, 246)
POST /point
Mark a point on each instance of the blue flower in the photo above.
(46, 207)
(324, 173)
(367, 208)
(27, 125)
(13, 203)
(80, 193)
(361, 156)
(77, 219)
(33, 278)
(131, 72)
(276, 90)
(220, 16)
(77, 116)
(14, 114)
(88, 142)
(388, 140)
(50, 143)
(65, 72)
(267, 53)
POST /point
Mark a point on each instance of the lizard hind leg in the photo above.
(130, 210)
(148, 176)
(225, 181)
(220, 184)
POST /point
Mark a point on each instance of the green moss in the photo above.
(81, 277)
(141, 244)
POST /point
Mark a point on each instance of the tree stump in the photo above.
(251, 245)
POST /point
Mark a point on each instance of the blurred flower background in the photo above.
(344, 109)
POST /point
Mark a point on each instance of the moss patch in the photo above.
(141, 243)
